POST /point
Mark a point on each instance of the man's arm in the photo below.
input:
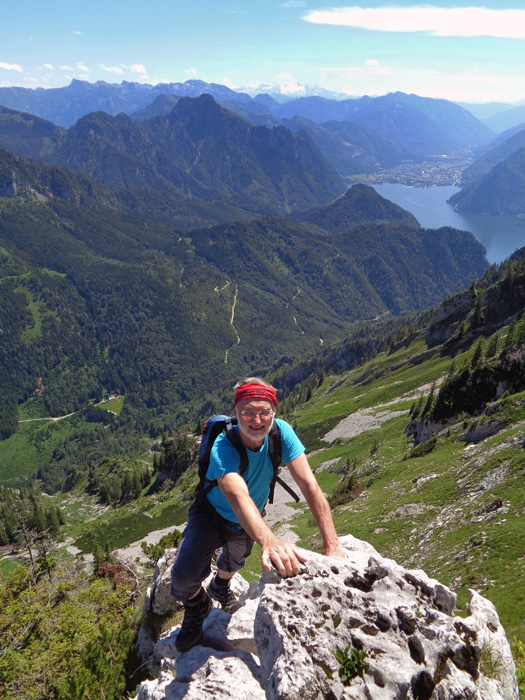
(283, 555)
(305, 479)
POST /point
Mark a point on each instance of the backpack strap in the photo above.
(233, 436)
(231, 433)
(275, 450)
(281, 482)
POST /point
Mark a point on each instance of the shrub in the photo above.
(155, 551)
(518, 651)
(423, 449)
(351, 663)
(66, 635)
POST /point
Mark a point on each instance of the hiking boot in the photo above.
(223, 595)
(195, 612)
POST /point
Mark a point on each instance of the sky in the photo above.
(459, 51)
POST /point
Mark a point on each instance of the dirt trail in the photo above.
(231, 324)
(30, 420)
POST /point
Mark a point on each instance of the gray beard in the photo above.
(244, 432)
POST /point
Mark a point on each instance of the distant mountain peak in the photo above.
(359, 204)
(293, 91)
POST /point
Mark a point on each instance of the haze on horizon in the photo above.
(454, 51)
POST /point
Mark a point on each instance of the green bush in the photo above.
(518, 651)
(66, 634)
(351, 663)
(155, 551)
(422, 449)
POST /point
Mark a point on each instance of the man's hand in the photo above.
(283, 555)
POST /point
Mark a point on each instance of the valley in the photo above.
(440, 171)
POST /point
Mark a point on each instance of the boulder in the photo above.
(362, 627)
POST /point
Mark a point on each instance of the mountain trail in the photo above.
(231, 324)
(30, 420)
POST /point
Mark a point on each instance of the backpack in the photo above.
(216, 425)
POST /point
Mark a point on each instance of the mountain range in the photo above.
(421, 126)
(283, 156)
(424, 125)
(198, 150)
(347, 147)
(99, 297)
(148, 260)
(416, 126)
(500, 149)
(65, 106)
(200, 153)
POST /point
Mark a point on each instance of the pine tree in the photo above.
(492, 347)
(477, 357)
(429, 401)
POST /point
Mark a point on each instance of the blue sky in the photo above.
(460, 51)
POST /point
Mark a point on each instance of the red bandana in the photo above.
(255, 391)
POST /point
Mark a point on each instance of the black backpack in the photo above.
(216, 425)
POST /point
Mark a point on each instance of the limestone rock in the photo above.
(483, 429)
(161, 600)
(448, 315)
(401, 619)
(204, 673)
(158, 602)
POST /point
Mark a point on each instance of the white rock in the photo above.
(161, 601)
(402, 619)
(205, 673)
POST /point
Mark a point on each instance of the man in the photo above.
(232, 517)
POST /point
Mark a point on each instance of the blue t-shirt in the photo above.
(224, 458)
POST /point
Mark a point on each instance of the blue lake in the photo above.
(501, 235)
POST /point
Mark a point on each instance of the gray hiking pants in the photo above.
(205, 533)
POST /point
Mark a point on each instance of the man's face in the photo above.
(255, 418)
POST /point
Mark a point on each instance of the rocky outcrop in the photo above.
(448, 315)
(282, 643)
(482, 429)
(425, 430)
(159, 603)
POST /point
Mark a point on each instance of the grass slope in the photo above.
(433, 511)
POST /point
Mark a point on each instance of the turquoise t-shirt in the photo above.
(224, 458)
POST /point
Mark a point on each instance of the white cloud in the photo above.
(292, 3)
(48, 66)
(82, 67)
(78, 33)
(469, 85)
(192, 71)
(288, 84)
(65, 67)
(375, 67)
(11, 66)
(112, 69)
(139, 68)
(453, 21)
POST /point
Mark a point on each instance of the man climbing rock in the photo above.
(228, 512)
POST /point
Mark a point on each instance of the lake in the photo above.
(500, 235)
